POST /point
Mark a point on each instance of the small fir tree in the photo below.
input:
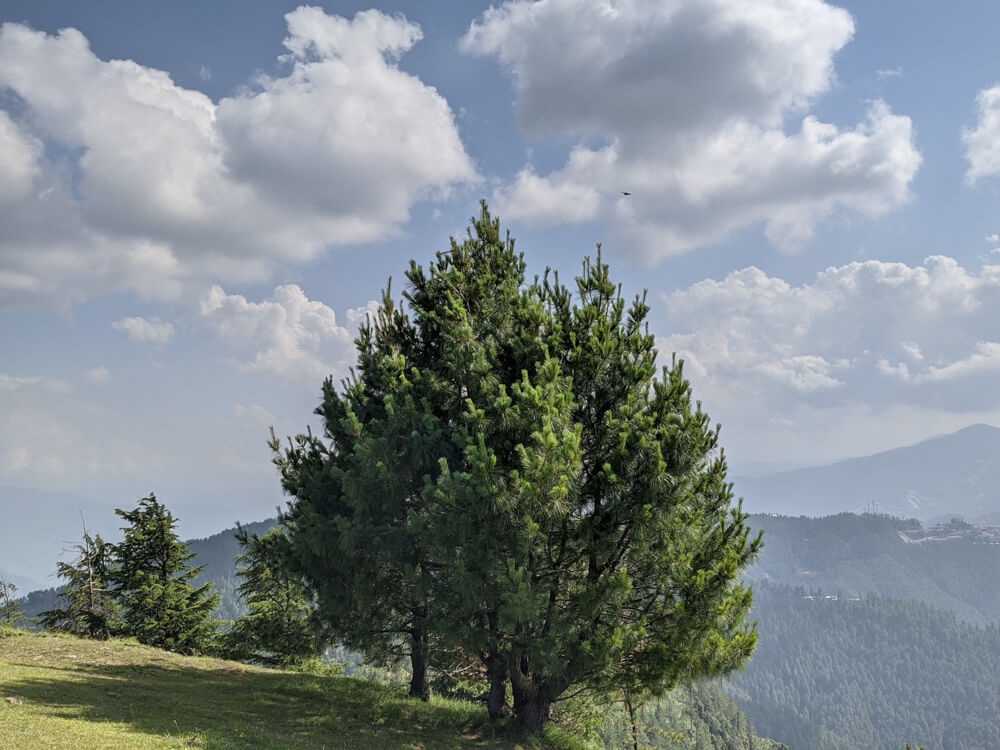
(153, 583)
(281, 627)
(91, 610)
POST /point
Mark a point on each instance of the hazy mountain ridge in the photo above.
(951, 475)
(853, 556)
(956, 474)
(216, 552)
(39, 527)
(857, 555)
(23, 583)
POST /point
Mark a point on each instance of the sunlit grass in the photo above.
(65, 692)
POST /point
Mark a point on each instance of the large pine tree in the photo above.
(506, 470)
(153, 582)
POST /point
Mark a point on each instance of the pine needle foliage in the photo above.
(508, 474)
(281, 627)
(91, 609)
(153, 583)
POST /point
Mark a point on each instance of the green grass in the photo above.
(65, 692)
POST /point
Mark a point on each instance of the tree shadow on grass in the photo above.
(228, 707)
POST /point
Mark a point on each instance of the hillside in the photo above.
(956, 474)
(693, 717)
(869, 674)
(697, 717)
(858, 555)
(218, 554)
(60, 692)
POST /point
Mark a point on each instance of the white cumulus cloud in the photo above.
(982, 143)
(151, 331)
(683, 104)
(115, 177)
(852, 335)
(288, 335)
(879, 353)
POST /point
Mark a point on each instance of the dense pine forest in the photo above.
(870, 674)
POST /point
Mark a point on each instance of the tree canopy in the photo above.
(280, 627)
(507, 474)
(152, 581)
(90, 607)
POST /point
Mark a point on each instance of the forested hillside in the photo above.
(828, 675)
(693, 717)
(854, 554)
(218, 554)
(869, 674)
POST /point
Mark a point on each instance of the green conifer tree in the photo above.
(153, 583)
(91, 609)
(281, 627)
(550, 504)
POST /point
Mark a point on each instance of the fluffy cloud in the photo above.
(868, 333)
(117, 178)
(288, 335)
(151, 331)
(682, 104)
(887, 352)
(982, 143)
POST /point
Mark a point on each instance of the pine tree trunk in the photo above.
(496, 699)
(532, 701)
(419, 686)
(631, 716)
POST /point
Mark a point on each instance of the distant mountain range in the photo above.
(23, 583)
(37, 526)
(950, 475)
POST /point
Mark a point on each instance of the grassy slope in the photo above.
(61, 692)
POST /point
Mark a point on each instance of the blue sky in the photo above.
(198, 201)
